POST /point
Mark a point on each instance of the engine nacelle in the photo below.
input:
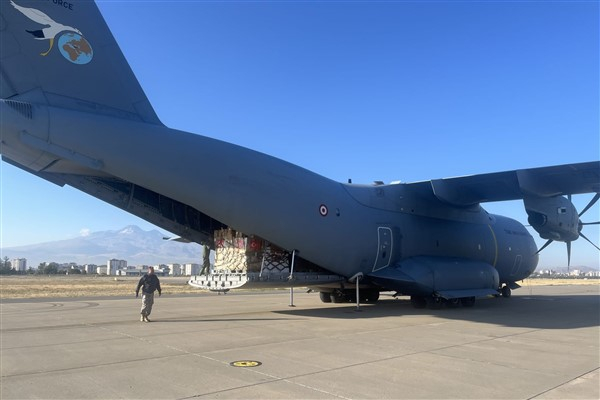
(553, 217)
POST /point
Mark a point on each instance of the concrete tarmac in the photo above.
(543, 343)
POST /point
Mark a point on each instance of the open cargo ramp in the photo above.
(250, 262)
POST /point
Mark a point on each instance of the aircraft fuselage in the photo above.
(343, 228)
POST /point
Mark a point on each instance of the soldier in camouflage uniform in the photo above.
(149, 283)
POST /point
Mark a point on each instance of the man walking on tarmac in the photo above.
(149, 283)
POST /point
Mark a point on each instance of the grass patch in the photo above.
(36, 286)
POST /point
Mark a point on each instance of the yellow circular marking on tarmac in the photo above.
(245, 363)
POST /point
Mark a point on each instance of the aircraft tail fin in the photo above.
(44, 41)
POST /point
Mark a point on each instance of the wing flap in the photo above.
(517, 184)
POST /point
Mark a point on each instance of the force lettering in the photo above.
(65, 4)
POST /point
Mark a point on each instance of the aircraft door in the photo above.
(384, 248)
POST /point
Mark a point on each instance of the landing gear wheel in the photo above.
(453, 303)
(467, 301)
(350, 296)
(369, 296)
(418, 301)
(337, 297)
(373, 296)
(434, 303)
(325, 297)
(506, 292)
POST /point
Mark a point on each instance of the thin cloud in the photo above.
(84, 232)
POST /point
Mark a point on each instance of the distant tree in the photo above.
(30, 271)
(48, 269)
(6, 267)
(40, 268)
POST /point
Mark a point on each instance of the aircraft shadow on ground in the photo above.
(538, 312)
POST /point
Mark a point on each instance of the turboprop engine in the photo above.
(555, 218)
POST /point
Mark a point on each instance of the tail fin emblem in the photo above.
(71, 43)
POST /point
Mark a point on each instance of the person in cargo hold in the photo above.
(149, 283)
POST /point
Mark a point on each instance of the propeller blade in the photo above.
(591, 203)
(585, 237)
(544, 246)
(590, 223)
(568, 254)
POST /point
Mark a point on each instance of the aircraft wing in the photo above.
(512, 185)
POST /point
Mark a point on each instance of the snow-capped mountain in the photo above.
(136, 246)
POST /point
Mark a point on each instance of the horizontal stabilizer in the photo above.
(52, 178)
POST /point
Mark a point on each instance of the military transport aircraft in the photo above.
(74, 114)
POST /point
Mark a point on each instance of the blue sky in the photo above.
(385, 91)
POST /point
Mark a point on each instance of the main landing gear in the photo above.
(367, 296)
(325, 297)
(435, 303)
